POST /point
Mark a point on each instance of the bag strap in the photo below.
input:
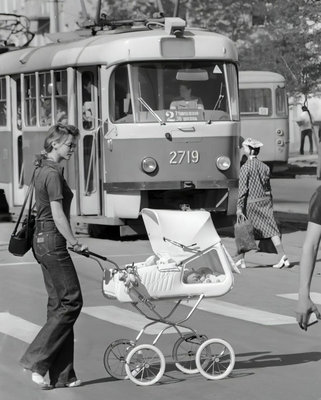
(29, 196)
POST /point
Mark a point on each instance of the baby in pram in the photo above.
(201, 275)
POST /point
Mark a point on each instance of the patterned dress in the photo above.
(255, 198)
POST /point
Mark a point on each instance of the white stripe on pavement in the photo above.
(126, 318)
(18, 327)
(24, 330)
(18, 263)
(241, 312)
(315, 296)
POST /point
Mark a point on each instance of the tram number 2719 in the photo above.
(180, 156)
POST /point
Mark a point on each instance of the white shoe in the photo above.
(40, 381)
(240, 263)
(283, 263)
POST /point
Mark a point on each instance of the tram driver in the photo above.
(186, 100)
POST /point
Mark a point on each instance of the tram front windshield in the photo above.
(168, 91)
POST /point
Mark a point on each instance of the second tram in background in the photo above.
(264, 114)
(157, 108)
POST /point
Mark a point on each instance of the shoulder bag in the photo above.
(21, 239)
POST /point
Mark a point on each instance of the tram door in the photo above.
(17, 151)
(88, 122)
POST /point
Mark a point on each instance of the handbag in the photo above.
(244, 235)
(21, 239)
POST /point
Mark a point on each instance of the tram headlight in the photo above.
(279, 132)
(223, 163)
(280, 142)
(149, 165)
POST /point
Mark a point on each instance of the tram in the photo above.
(264, 114)
(143, 144)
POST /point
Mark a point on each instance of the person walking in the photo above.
(255, 201)
(52, 351)
(306, 306)
(306, 127)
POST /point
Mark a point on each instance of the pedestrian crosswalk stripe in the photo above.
(18, 327)
(241, 312)
(126, 318)
(26, 331)
(315, 296)
(19, 263)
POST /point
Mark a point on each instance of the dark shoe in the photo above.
(71, 384)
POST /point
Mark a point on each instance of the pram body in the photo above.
(185, 245)
(181, 241)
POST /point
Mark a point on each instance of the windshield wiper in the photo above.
(218, 102)
(220, 98)
(148, 108)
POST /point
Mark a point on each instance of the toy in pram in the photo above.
(189, 262)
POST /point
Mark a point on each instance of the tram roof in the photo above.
(260, 76)
(113, 47)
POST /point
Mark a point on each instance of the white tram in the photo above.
(143, 143)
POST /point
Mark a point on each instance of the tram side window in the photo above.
(30, 99)
(3, 102)
(87, 93)
(61, 97)
(89, 164)
(281, 101)
(255, 102)
(18, 110)
(45, 106)
(121, 110)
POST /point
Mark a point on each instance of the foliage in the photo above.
(282, 37)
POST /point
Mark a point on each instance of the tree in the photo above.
(282, 37)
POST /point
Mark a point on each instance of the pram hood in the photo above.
(179, 234)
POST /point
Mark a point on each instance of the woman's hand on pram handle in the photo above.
(79, 247)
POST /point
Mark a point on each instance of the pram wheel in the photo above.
(215, 359)
(115, 357)
(145, 364)
(184, 352)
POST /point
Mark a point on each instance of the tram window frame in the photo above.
(255, 96)
(45, 98)
(3, 102)
(90, 161)
(60, 95)
(232, 89)
(30, 99)
(18, 103)
(281, 108)
(156, 83)
(88, 99)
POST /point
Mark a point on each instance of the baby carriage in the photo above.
(189, 262)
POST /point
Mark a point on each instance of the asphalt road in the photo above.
(274, 358)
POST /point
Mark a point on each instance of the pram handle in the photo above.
(88, 253)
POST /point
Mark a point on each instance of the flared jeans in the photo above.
(53, 348)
